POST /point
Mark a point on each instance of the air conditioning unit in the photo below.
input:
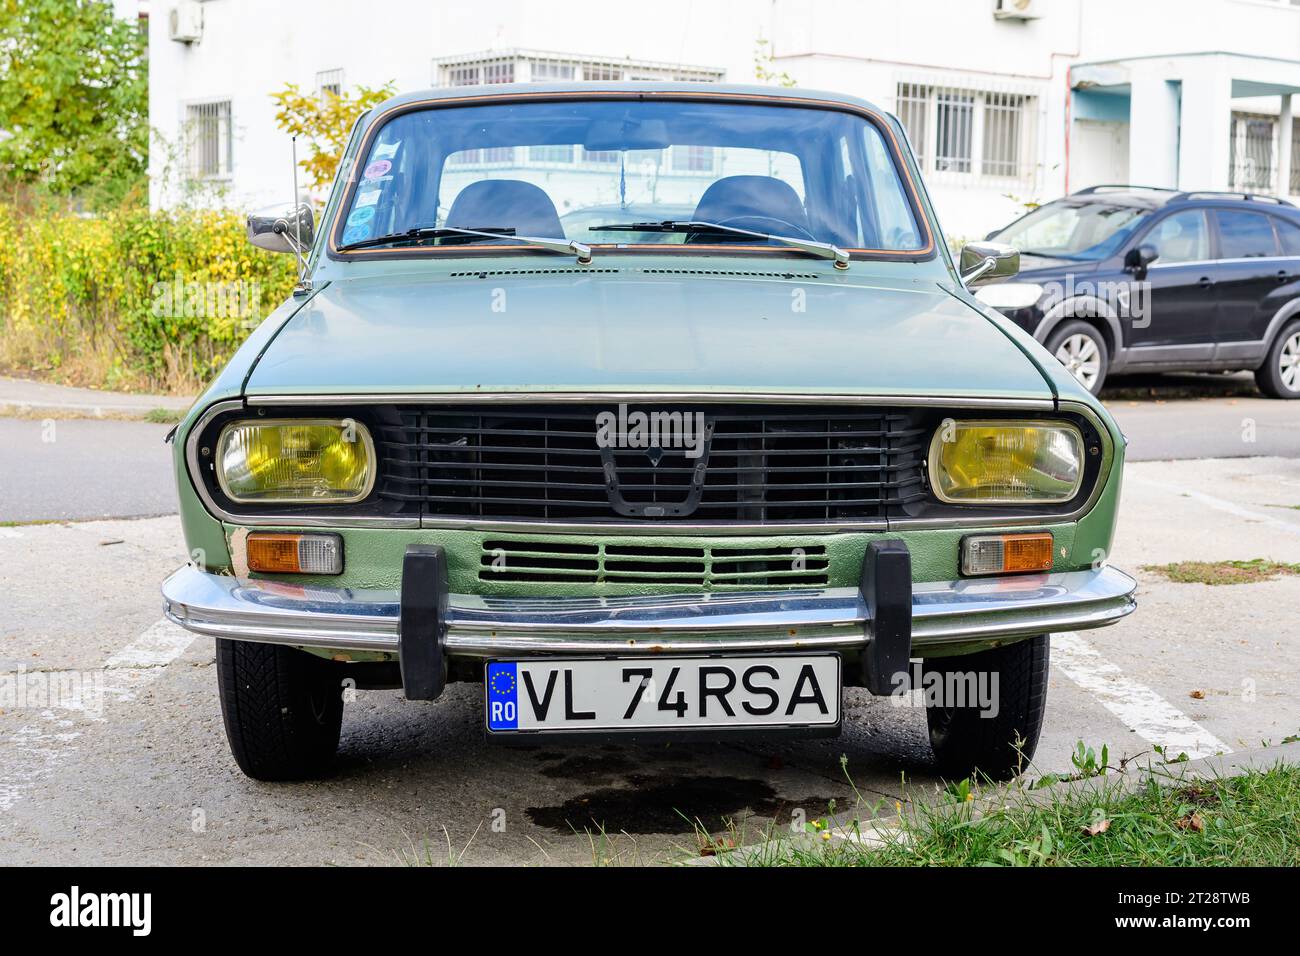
(1017, 9)
(185, 22)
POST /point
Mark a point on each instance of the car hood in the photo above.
(561, 331)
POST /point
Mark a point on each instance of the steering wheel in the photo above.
(789, 228)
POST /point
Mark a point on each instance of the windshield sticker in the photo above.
(379, 167)
(361, 216)
(356, 234)
(367, 199)
(385, 150)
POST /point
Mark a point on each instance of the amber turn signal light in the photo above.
(1006, 553)
(281, 553)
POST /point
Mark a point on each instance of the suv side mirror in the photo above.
(1139, 257)
(988, 260)
(282, 228)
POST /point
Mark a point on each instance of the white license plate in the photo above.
(663, 694)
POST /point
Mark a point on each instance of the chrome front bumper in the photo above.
(943, 613)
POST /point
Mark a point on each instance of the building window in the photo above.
(969, 133)
(692, 159)
(1003, 117)
(482, 71)
(550, 71)
(953, 119)
(598, 73)
(538, 67)
(208, 133)
(913, 107)
(329, 82)
(1252, 151)
(1295, 159)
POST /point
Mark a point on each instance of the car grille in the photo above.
(714, 568)
(763, 464)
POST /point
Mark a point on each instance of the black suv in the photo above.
(1128, 278)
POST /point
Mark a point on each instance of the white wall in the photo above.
(862, 47)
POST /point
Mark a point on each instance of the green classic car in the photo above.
(733, 439)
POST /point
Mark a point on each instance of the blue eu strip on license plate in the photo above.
(503, 695)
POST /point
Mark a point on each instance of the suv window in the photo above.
(1243, 235)
(1289, 233)
(1182, 237)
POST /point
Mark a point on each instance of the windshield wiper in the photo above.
(562, 246)
(824, 250)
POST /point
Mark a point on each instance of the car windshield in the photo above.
(560, 169)
(1074, 230)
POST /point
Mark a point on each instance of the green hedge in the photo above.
(131, 299)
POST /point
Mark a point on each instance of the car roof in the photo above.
(1157, 197)
(648, 87)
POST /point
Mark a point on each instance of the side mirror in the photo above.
(988, 260)
(1139, 257)
(282, 228)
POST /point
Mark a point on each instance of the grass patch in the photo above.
(1223, 572)
(1250, 820)
(164, 416)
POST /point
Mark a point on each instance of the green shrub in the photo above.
(131, 299)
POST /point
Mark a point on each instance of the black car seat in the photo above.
(758, 203)
(506, 203)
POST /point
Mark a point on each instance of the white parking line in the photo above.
(36, 749)
(1151, 716)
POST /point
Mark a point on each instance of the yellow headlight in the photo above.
(296, 460)
(1006, 462)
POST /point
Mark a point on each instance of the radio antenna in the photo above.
(304, 284)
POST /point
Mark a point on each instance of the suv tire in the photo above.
(1279, 376)
(1081, 348)
(965, 741)
(283, 709)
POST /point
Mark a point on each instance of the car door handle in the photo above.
(1282, 275)
(1206, 282)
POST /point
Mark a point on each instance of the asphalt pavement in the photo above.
(62, 469)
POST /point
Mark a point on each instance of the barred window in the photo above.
(953, 120)
(912, 107)
(1003, 116)
(208, 132)
(1295, 159)
(977, 133)
(1252, 152)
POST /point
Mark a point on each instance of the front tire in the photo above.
(1279, 376)
(283, 709)
(1082, 349)
(972, 739)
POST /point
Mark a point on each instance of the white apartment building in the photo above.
(1005, 101)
